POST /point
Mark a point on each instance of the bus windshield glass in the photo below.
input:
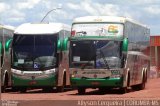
(34, 52)
(97, 29)
(96, 54)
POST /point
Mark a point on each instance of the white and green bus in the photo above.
(39, 51)
(6, 34)
(108, 52)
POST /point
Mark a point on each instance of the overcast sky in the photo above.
(16, 12)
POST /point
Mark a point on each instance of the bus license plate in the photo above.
(95, 83)
(32, 82)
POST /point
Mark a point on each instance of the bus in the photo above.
(108, 52)
(39, 51)
(6, 34)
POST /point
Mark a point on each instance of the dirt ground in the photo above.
(70, 96)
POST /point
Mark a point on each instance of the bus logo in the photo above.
(113, 29)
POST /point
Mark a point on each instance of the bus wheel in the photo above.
(60, 88)
(47, 89)
(23, 90)
(123, 90)
(102, 89)
(140, 86)
(135, 87)
(3, 89)
(143, 84)
(14, 89)
(81, 90)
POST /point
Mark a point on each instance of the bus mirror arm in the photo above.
(125, 45)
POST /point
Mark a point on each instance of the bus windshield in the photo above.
(34, 52)
(96, 54)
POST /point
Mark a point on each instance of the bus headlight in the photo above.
(116, 74)
(17, 72)
(73, 74)
(51, 71)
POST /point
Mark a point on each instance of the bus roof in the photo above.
(7, 27)
(41, 28)
(111, 19)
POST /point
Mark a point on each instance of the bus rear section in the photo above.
(37, 55)
(102, 51)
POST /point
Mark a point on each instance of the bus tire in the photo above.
(47, 89)
(15, 89)
(143, 84)
(101, 89)
(81, 90)
(104, 89)
(3, 89)
(135, 87)
(123, 90)
(60, 89)
(23, 90)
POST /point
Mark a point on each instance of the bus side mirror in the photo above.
(7, 45)
(65, 44)
(59, 46)
(125, 45)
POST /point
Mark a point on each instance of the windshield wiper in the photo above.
(105, 61)
(82, 32)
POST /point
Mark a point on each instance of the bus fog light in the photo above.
(72, 76)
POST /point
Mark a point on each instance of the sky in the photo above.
(17, 12)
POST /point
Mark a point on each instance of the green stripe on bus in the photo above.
(120, 37)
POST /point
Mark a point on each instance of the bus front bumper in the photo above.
(29, 82)
(97, 82)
